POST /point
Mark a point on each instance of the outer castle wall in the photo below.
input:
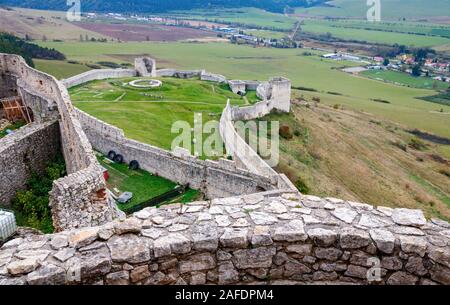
(85, 176)
(215, 179)
(264, 238)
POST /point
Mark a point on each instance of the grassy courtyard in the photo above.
(142, 184)
(147, 115)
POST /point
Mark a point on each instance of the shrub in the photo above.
(417, 144)
(400, 145)
(32, 205)
(285, 132)
(301, 186)
(336, 106)
(297, 133)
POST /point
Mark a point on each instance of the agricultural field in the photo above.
(245, 16)
(390, 10)
(147, 115)
(148, 32)
(380, 33)
(404, 79)
(37, 24)
(244, 62)
(59, 68)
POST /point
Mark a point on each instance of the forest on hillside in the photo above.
(159, 6)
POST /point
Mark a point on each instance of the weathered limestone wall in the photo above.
(97, 75)
(239, 149)
(7, 84)
(145, 66)
(27, 150)
(81, 163)
(257, 239)
(215, 179)
(206, 76)
(237, 86)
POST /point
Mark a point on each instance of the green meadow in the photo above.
(58, 68)
(247, 16)
(405, 79)
(390, 9)
(379, 33)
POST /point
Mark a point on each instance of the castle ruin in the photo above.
(254, 227)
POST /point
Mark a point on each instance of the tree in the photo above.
(416, 71)
(44, 38)
(386, 62)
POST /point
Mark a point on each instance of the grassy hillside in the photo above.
(352, 155)
(37, 24)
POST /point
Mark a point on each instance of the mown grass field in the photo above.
(147, 115)
(245, 62)
(404, 79)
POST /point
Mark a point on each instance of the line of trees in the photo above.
(13, 45)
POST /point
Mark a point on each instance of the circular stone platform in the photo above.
(145, 83)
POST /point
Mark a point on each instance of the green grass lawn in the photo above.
(147, 115)
(142, 184)
(406, 79)
(245, 62)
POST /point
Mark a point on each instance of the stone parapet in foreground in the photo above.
(252, 239)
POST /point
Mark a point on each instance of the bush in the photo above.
(400, 145)
(417, 144)
(336, 106)
(301, 186)
(285, 132)
(297, 133)
(32, 205)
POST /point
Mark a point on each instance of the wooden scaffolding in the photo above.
(14, 110)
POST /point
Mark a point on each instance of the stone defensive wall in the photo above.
(97, 74)
(85, 176)
(215, 178)
(264, 238)
(27, 150)
(236, 146)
